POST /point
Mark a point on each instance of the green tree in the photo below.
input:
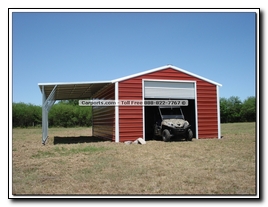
(230, 109)
(248, 109)
(224, 110)
(234, 107)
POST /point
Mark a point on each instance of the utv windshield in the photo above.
(171, 113)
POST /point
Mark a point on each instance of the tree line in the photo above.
(61, 114)
(69, 114)
(234, 110)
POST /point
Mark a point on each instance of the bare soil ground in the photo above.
(201, 167)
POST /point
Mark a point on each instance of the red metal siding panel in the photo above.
(131, 118)
(104, 117)
(207, 110)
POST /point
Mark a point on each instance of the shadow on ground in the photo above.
(76, 140)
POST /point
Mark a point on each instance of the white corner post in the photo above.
(47, 103)
(196, 111)
(219, 113)
(116, 114)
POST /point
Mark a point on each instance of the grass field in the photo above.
(201, 167)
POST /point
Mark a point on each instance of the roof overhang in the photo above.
(75, 90)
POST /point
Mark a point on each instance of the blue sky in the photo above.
(97, 46)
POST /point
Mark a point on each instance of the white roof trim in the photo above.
(73, 83)
(161, 68)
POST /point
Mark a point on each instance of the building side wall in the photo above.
(131, 117)
(103, 117)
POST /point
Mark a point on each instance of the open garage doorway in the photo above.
(168, 90)
(151, 117)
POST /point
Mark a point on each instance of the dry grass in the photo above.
(200, 167)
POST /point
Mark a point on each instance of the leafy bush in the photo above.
(62, 114)
(68, 115)
(25, 115)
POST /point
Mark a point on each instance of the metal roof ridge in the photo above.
(161, 68)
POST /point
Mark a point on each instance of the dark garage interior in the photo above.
(152, 116)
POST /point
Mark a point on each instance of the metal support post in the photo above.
(47, 103)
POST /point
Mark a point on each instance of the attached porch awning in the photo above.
(79, 90)
(52, 92)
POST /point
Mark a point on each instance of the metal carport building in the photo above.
(122, 123)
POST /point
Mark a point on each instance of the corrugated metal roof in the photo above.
(79, 90)
(75, 90)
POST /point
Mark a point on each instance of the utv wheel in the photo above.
(166, 135)
(189, 135)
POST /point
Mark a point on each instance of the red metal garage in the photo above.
(127, 123)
